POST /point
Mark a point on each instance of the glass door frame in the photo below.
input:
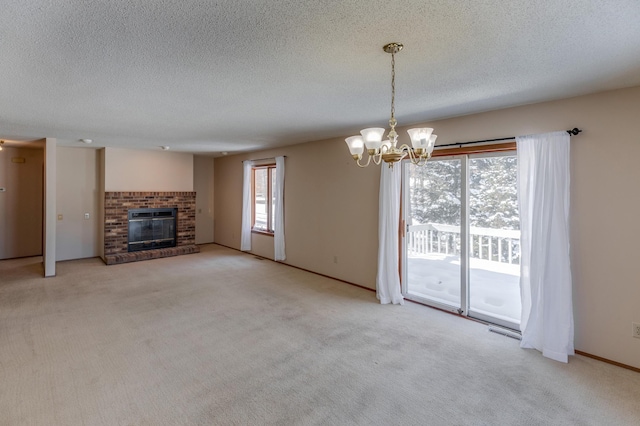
(464, 244)
(464, 309)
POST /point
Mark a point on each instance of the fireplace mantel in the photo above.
(116, 208)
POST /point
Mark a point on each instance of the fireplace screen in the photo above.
(152, 228)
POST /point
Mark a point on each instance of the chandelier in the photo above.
(422, 139)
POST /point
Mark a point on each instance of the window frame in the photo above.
(270, 208)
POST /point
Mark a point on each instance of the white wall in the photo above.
(100, 214)
(203, 185)
(137, 170)
(77, 195)
(49, 239)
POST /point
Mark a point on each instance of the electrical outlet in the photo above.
(87, 216)
(636, 330)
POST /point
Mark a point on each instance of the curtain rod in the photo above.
(571, 132)
(264, 159)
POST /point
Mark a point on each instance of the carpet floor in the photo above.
(224, 338)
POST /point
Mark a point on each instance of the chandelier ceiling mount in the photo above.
(393, 47)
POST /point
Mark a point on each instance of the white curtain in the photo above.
(245, 232)
(388, 278)
(545, 281)
(278, 237)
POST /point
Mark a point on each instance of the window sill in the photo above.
(257, 231)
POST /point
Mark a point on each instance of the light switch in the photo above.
(86, 216)
(59, 217)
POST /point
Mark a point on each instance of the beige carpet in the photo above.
(221, 337)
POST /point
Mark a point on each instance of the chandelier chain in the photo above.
(393, 85)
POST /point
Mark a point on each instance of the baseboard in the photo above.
(608, 361)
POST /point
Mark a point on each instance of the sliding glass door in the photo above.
(433, 214)
(494, 239)
(461, 246)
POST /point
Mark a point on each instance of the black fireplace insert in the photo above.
(152, 228)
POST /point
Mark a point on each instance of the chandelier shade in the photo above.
(355, 144)
(422, 139)
(372, 137)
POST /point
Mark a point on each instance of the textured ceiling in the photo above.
(237, 75)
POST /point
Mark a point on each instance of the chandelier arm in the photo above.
(360, 165)
(426, 158)
(412, 156)
(377, 159)
(415, 159)
(409, 150)
(422, 160)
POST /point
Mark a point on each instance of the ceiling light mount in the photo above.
(422, 139)
(87, 141)
(393, 47)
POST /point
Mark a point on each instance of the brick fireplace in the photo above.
(116, 208)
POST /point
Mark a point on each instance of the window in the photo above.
(264, 198)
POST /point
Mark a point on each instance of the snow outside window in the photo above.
(264, 178)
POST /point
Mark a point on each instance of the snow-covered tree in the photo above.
(493, 197)
(493, 202)
(435, 192)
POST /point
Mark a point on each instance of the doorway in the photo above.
(461, 248)
(21, 201)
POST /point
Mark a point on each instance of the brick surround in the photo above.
(116, 206)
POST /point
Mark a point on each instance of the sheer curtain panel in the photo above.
(245, 232)
(545, 268)
(388, 278)
(278, 237)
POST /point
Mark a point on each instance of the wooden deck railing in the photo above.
(496, 245)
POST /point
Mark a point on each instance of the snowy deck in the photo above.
(494, 286)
